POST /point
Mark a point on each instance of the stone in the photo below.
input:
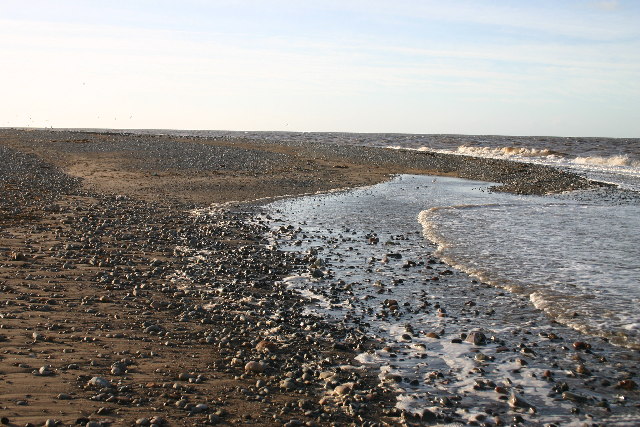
(516, 401)
(99, 382)
(200, 407)
(574, 397)
(159, 421)
(254, 367)
(45, 371)
(583, 370)
(343, 389)
(581, 345)
(287, 384)
(476, 338)
(627, 385)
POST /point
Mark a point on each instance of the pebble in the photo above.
(45, 371)
(581, 345)
(476, 338)
(99, 382)
(627, 385)
(516, 401)
(574, 397)
(254, 367)
(288, 384)
(343, 389)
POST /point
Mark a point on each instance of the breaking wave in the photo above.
(622, 160)
(502, 152)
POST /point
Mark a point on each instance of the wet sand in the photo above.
(99, 326)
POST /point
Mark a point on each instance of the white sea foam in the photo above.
(506, 152)
(622, 160)
(622, 170)
(556, 262)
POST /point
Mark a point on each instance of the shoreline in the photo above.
(202, 170)
(91, 226)
(423, 310)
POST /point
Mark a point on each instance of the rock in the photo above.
(317, 273)
(45, 371)
(476, 338)
(627, 385)
(327, 375)
(266, 346)
(99, 382)
(343, 389)
(254, 367)
(185, 376)
(581, 369)
(158, 421)
(64, 396)
(118, 368)
(516, 401)
(287, 384)
(581, 345)
(18, 256)
(152, 329)
(574, 397)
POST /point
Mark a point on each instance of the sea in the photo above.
(420, 254)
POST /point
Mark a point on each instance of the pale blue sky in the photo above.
(568, 68)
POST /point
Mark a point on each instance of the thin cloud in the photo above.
(608, 5)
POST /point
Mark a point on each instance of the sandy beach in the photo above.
(99, 328)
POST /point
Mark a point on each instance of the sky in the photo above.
(538, 67)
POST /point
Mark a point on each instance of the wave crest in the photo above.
(507, 151)
(622, 160)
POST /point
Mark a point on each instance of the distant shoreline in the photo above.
(151, 166)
